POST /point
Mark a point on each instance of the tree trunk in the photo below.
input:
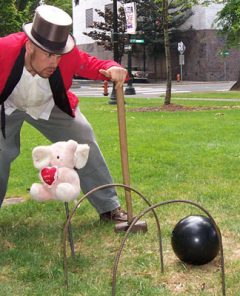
(236, 85)
(167, 99)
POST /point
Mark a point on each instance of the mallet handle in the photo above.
(124, 150)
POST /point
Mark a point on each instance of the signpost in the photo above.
(181, 50)
(137, 41)
(224, 54)
(130, 90)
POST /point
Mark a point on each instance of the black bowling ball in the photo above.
(195, 240)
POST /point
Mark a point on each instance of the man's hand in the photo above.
(116, 74)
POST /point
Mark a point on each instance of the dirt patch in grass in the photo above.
(203, 277)
(180, 278)
(231, 248)
(13, 200)
(176, 108)
(7, 245)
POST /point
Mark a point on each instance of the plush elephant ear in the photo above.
(41, 156)
(81, 155)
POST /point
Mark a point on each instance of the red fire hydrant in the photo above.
(105, 88)
(178, 77)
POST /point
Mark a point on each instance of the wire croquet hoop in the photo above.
(69, 218)
(117, 258)
(135, 220)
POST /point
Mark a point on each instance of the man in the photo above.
(37, 67)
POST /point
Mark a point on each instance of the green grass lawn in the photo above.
(209, 95)
(172, 155)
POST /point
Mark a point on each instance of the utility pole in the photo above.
(113, 98)
(130, 90)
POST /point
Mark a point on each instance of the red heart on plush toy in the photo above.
(49, 175)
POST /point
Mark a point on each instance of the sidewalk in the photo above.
(79, 82)
(90, 88)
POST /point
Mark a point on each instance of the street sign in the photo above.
(224, 53)
(181, 47)
(127, 47)
(181, 59)
(140, 41)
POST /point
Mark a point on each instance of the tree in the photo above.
(65, 5)
(167, 99)
(14, 13)
(228, 22)
(104, 30)
(173, 13)
(10, 19)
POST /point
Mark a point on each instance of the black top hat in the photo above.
(50, 30)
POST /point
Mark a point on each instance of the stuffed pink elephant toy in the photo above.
(56, 163)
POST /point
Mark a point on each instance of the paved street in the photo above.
(151, 90)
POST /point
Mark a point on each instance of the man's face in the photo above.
(40, 61)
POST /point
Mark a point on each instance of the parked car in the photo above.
(139, 76)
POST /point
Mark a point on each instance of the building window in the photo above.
(89, 18)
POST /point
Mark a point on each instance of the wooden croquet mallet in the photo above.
(140, 226)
